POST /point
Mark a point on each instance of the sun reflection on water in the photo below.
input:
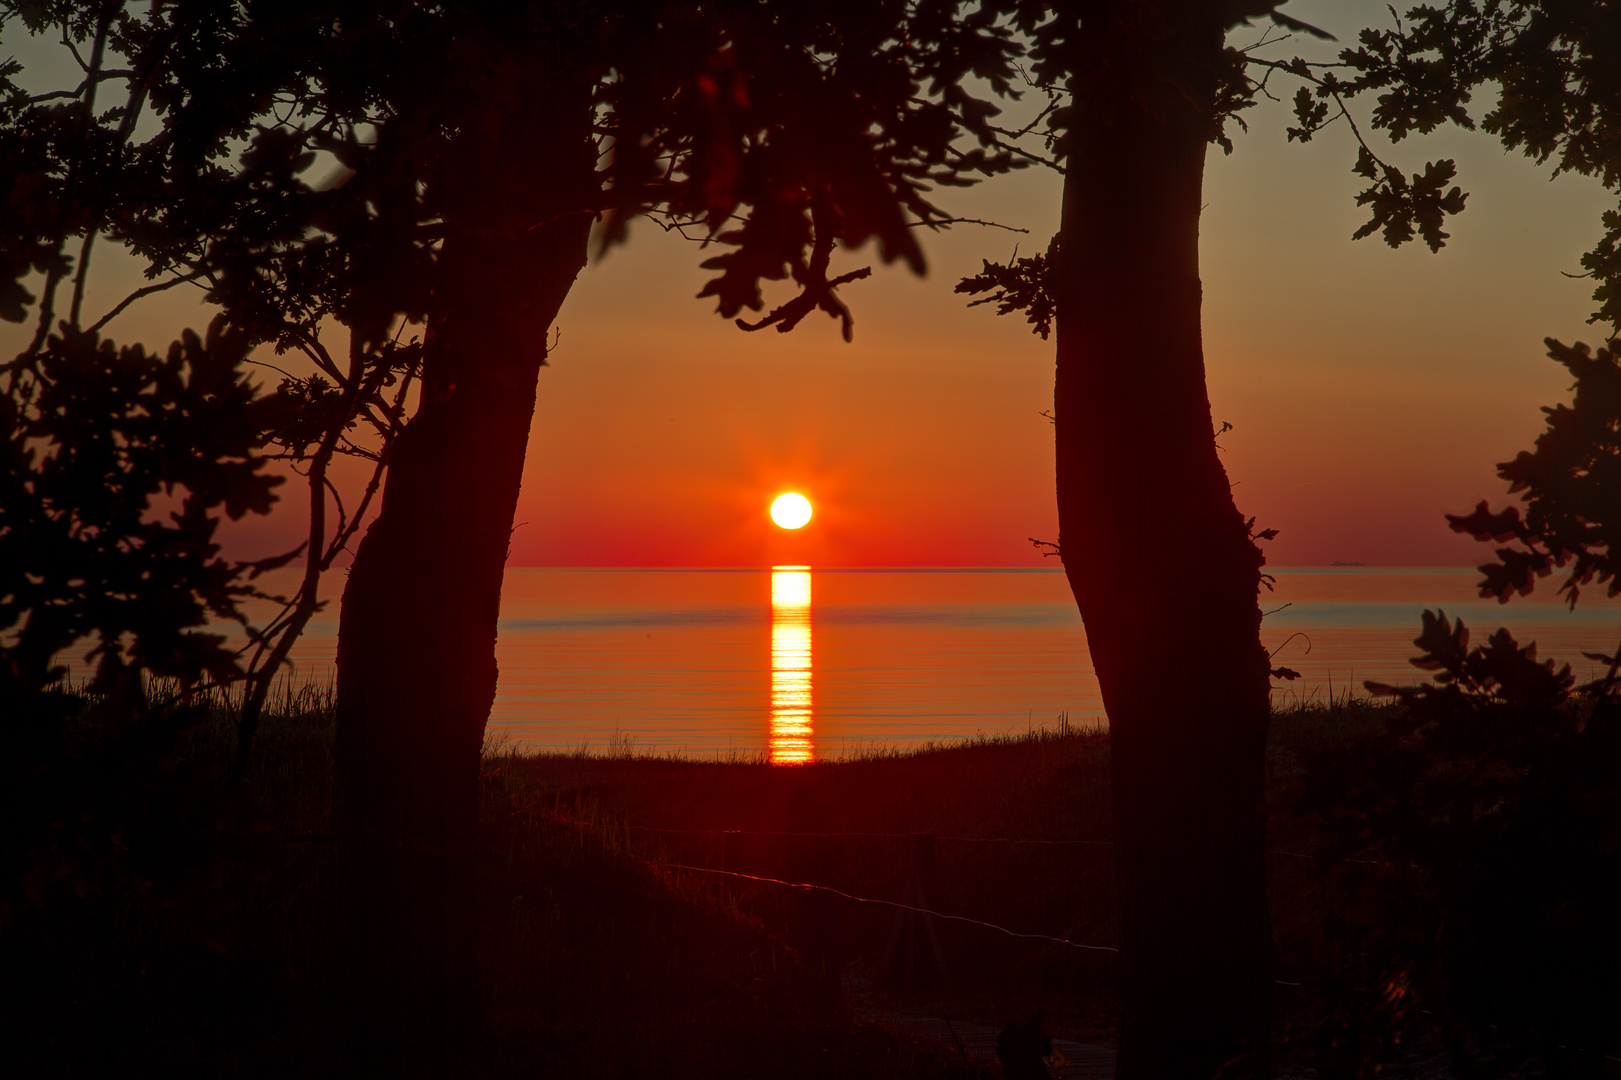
(791, 709)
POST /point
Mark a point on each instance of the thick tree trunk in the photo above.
(1160, 560)
(416, 647)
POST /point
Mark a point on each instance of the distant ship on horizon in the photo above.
(1336, 562)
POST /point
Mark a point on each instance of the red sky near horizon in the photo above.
(1370, 390)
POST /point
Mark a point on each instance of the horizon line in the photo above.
(962, 569)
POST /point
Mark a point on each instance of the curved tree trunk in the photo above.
(416, 646)
(1161, 562)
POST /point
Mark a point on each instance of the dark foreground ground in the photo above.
(1021, 839)
(166, 927)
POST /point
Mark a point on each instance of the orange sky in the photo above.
(1370, 390)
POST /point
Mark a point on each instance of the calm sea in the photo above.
(799, 663)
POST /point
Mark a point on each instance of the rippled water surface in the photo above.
(799, 662)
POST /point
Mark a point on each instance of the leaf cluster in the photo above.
(1552, 65)
(1022, 284)
(1489, 808)
(1499, 672)
(122, 463)
(1402, 207)
(1570, 486)
(118, 466)
(778, 131)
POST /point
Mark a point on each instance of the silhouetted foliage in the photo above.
(1020, 285)
(1550, 63)
(1474, 849)
(1490, 810)
(163, 147)
(782, 131)
(1570, 485)
(97, 440)
(1546, 60)
(1499, 671)
(1492, 803)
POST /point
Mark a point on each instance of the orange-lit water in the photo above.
(799, 663)
(1357, 624)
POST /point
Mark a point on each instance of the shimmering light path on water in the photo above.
(710, 662)
(792, 704)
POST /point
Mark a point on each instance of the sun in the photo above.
(791, 511)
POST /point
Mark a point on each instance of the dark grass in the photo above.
(599, 964)
(164, 925)
(1050, 785)
(160, 927)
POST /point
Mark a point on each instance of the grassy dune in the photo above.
(805, 824)
(168, 926)
(848, 824)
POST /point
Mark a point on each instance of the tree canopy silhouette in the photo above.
(148, 145)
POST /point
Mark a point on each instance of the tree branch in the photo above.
(939, 222)
(145, 291)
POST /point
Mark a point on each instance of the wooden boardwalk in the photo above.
(1424, 1059)
(1082, 1061)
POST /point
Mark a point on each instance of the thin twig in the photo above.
(141, 293)
(1291, 637)
(939, 222)
(312, 348)
(1022, 152)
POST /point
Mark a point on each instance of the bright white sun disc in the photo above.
(791, 511)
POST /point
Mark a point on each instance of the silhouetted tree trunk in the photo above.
(416, 647)
(1159, 558)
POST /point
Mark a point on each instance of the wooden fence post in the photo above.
(914, 960)
(722, 852)
(731, 843)
(820, 911)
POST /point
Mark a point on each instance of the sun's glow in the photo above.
(791, 511)
(792, 708)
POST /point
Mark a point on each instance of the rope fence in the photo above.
(868, 835)
(901, 906)
(893, 904)
(909, 907)
(958, 839)
(921, 842)
(924, 839)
